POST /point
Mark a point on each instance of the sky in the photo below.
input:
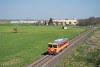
(45, 9)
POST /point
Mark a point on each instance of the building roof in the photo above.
(65, 20)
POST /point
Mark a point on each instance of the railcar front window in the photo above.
(50, 45)
(55, 46)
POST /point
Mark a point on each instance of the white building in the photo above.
(65, 22)
(23, 21)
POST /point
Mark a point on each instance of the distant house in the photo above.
(65, 22)
(23, 21)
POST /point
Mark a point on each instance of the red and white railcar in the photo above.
(57, 45)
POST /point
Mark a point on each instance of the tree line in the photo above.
(83, 22)
(89, 21)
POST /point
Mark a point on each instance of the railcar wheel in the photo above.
(66, 46)
(56, 53)
(61, 50)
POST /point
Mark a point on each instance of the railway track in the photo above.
(41, 61)
(50, 60)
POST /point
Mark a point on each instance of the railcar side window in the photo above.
(55, 46)
(49, 45)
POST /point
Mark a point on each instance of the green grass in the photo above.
(86, 54)
(20, 49)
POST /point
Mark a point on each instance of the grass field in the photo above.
(87, 54)
(30, 43)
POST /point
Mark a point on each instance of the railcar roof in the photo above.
(58, 41)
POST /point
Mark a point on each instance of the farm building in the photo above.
(44, 22)
(23, 21)
(65, 22)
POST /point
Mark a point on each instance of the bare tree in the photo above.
(89, 21)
